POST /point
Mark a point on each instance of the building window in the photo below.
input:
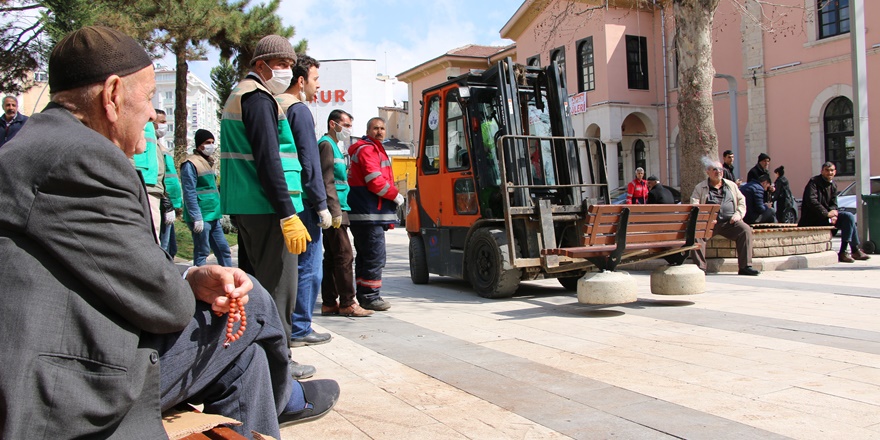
(619, 164)
(534, 61)
(641, 155)
(833, 19)
(637, 62)
(586, 69)
(558, 55)
(839, 136)
(168, 95)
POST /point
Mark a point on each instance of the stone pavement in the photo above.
(787, 354)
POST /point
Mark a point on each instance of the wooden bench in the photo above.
(619, 233)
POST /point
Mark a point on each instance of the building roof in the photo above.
(473, 53)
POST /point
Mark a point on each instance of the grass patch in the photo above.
(185, 242)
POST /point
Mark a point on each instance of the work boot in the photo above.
(859, 255)
(843, 257)
(300, 371)
(354, 311)
(377, 304)
(313, 338)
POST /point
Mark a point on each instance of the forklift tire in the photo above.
(418, 261)
(487, 257)
(569, 283)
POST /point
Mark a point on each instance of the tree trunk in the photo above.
(696, 118)
(180, 109)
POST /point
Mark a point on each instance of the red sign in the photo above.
(327, 96)
(577, 103)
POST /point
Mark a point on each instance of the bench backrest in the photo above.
(647, 223)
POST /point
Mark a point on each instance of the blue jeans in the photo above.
(211, 238)
(311, 272)
(849, 234)
(167, 239)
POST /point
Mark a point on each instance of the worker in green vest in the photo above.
(173, 198)
(148, 164)
(201, 201)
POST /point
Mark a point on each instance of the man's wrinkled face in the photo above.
(377, 130)
(137, 109)
(765, 164)
(10, 107)
(715, 172)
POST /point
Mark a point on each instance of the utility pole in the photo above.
(860, 112)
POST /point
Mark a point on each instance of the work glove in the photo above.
(326, 219)
(198, 226)
(337, 222)
(398, 199)
(295, 234)
(169, 217)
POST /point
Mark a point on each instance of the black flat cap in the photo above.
(91, 54)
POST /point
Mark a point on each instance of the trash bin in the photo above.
(871, 202)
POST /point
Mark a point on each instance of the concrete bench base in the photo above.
(607, 288)
(687, 279)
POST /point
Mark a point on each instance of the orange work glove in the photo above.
(295, 234)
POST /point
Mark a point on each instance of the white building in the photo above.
(354, 86)
(200, 98)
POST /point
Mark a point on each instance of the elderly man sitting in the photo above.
(719, 191)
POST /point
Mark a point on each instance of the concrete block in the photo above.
(607, 288)
(686, 279)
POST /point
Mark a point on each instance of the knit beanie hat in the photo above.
(763, 156)
(271, 47)
(91, 55)
(202, 135)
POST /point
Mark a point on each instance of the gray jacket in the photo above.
(701, 193)
(84, 286)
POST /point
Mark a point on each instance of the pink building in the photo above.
(783, 80)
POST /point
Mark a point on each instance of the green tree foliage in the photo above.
(223, 79)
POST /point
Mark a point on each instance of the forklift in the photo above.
(500, 177)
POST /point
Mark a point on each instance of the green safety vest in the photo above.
(340, 172)
(206, 190)
(172, 181)
(148, 161)
(240, 189)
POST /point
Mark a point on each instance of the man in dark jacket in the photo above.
(728, 166)
(12, 120)
(762, 168)
(819, 208)
(757, 211)
(658, 194)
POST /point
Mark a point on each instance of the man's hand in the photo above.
(326, 219)
(295, 234)
(169, 217)
(216, 284)
(198, 226)
(736, 217)
(398, 199)
(337, 222)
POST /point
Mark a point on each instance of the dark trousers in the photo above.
(273, 264)
(739, 232)
(338, 279)
(249, 381)
(369, 242)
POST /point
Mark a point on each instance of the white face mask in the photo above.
(210, 149)
(280, 81)
(161, 130)
(344, 135)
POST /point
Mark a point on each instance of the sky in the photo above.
(398, 34)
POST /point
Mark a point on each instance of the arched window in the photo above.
(558, 55)
(586, 71)
(534, 61)
(620, 181)
(839, 135)
(641, 156)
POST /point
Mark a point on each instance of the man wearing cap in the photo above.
(658, 194)
(103, 331)
(315, 215)
(201, 202)
(260, 175)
